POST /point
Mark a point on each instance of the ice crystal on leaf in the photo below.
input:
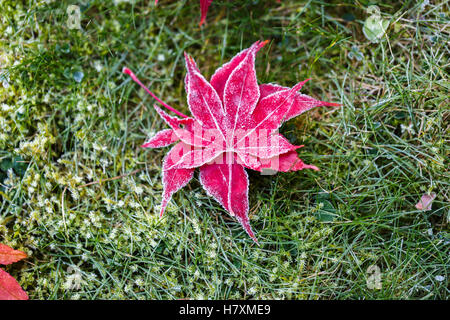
(234, 127)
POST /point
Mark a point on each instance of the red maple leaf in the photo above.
(10, 289)
(234, 126)
(204, 6)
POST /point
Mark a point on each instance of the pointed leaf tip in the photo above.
(246, 225)
(191, 60)
(262, 44)
(204, 6)
(300, 84)
(332, 104)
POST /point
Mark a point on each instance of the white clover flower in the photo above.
(133, 204)
(90, 107)
(34, 215)
(128, 288)
(98, 65)
(133, 268)
(6, 108)
(78, 179)
(139, 282)
(80, 105)
(139, 190)
(74, 193)
(212, 254)
(104, 162)
(113, 234)
(98, 147)
(75, 296)
(440, 278)
(49, 208)
(46, 98)
(200, 296)
(41, 201)
(161, 57)
(252, 291)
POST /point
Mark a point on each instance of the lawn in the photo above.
(81, 197)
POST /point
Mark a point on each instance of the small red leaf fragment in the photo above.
(8, 255)
(425, 202)
(204, 6)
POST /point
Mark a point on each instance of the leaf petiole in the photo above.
(135, 79)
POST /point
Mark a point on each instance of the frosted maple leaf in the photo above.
(234, 127)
